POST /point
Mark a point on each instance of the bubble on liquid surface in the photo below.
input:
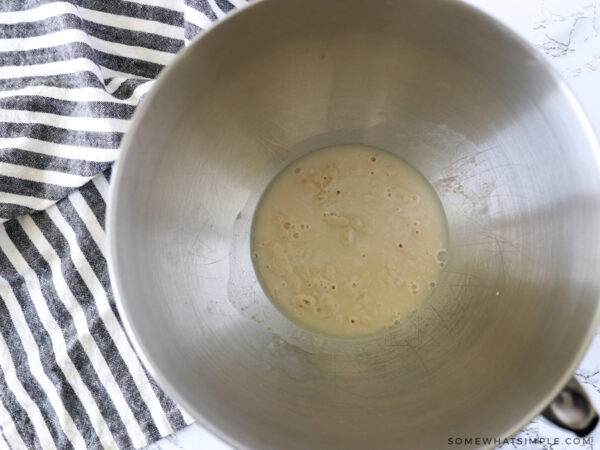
(441, 257)
(413, 286)
(304, 301)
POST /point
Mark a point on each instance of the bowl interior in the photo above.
(457, 96)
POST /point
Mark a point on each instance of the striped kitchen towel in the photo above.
(71, 75)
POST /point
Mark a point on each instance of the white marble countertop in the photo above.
(568, 33)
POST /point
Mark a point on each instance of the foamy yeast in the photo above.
(349, 240)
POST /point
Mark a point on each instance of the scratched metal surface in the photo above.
(499, 138)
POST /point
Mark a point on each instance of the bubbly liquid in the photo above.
(349, 240)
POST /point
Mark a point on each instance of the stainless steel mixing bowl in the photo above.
(479, 113)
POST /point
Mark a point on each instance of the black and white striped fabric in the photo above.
(71, 75)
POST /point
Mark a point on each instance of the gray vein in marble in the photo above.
(565, 35)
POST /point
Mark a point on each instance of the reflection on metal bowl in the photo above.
(456, 95)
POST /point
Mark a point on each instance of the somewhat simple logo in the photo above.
(480, 440)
